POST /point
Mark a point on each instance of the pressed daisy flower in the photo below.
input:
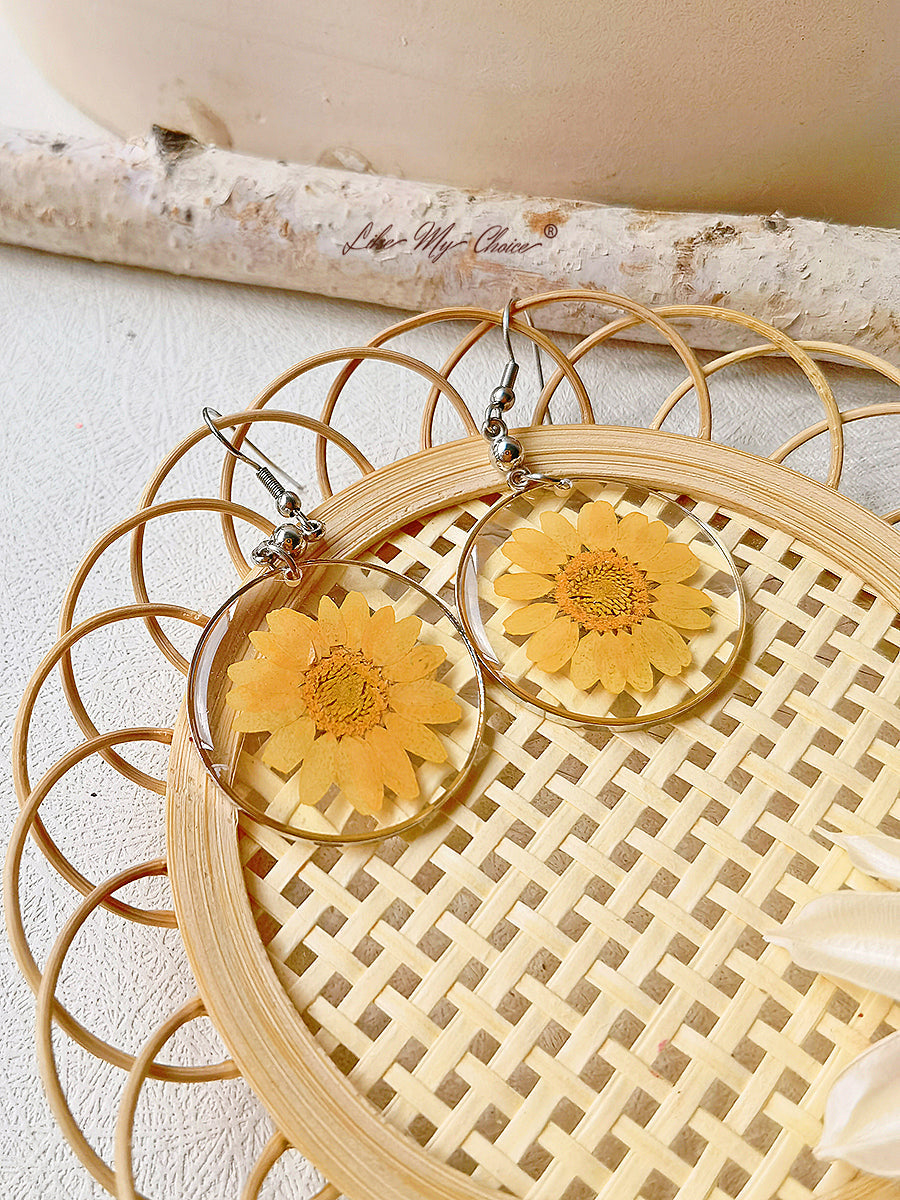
(346, 697)
(604, 597)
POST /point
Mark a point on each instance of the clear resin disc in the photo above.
(343, 708)
(604, 605)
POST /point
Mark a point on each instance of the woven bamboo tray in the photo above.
(559, 990)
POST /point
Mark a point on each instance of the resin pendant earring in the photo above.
(595, 600)
(332, 699)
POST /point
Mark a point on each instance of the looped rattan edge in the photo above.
(26, 710)
(777, 343)
(47, 1008)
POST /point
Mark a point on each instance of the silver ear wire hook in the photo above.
(507, 313)
(288, 543)
(539, 366)
(276, 481)
(504, 394)
(506, 451)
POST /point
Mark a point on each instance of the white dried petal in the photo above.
(878, 856)
(862, 1116)
(850, 935)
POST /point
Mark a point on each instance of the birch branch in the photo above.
(169, 203)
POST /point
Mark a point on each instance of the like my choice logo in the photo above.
(435, 240)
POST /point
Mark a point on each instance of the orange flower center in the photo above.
(345, 693)
(602, 590)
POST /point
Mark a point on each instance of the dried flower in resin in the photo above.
(604, 597)
(347, 698)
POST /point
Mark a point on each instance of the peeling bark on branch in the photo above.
(168, 203)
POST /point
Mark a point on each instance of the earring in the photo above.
(331, 699)
(594, 600)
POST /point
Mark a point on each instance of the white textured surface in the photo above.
(102, 369)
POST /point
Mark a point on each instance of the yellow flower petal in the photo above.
(674, 563)
(678, 595)
(416, 738)
(425, 700)
(552, 647)
(359, 775)
(288, 706)
(263, 697)
(638, 672)
(294, 655)
(289, 745)
(378, 627)
(681, 606)
(639, 539)
(597, 525)
(664, 648)
(684, 618)
(331, 624)
(530, 618)
(396, 641)
(294, 629)
(561, 531)
(395, 765)
(261, 721)
(317, 774)
(416, 664)
(533, 550)
(265, 674)
(587, 661)
(355, 612)
(611, 655)
(525, 535)
(522, 585)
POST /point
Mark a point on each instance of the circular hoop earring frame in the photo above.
(207, 678)
(489, 644)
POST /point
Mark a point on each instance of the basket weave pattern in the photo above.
(561, 987)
